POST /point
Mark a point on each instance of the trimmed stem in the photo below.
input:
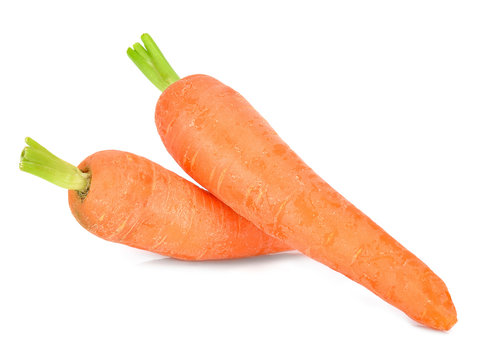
(37, 160)
(151, 61)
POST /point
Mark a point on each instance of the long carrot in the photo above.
(128, 199)
(218, 138)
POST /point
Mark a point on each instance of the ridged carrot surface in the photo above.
(218, 138)
(128, 199)
(136, 202)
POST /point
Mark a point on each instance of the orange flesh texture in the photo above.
(136, 202)
(227, 147)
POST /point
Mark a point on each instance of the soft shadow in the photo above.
(253, 261)
(426, 328)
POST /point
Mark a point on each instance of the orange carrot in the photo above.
(218, 138)
(128, 199)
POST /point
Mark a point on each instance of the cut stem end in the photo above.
(151, 61)
(38, 161)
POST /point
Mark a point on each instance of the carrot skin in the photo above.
(136, 202)
(219, 139)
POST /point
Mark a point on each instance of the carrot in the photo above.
(128, 199)
(218, 138)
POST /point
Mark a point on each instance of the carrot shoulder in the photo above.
(125, 198)
(219, 139)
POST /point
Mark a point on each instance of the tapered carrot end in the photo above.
(441, 318)
(446, 317)
(424, 297)
(440, 312)
(451, 321)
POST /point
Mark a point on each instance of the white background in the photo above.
(394, 103)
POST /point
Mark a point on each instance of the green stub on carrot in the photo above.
(150, 60)
(37, 160)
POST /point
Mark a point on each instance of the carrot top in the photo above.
(150, 60)
(37, 160)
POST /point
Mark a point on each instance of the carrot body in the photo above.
(227, 147)
(136, 202)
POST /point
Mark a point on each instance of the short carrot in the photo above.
(125, 198)
(218, 138)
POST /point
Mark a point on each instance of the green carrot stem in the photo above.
(151, 61)
(37, 160)
(142, 52)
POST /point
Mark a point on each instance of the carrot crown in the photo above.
(152, 63)
(37, 160)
